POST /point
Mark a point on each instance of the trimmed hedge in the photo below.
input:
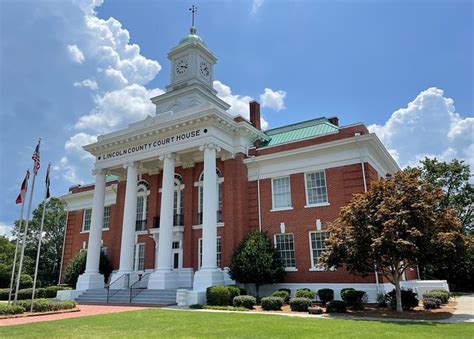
(10, 309)
(45, 305)
(22, 294)
(431, 303)
(286, 290)
(355, 299)
(217, 296)
(305, 293)
(271, 303)
(51, 291)
(439, 294)
(336, 306)
(300, 304)
(4, 293)
(326, 295)
(346, 289)
(225, 308)
(26, 281)
(246, 301)
(196, 306)
(409, 300)
(234, 291)
(282, 294)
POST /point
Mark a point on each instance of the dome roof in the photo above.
(192, 37)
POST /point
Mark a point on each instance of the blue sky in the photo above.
(73, 69)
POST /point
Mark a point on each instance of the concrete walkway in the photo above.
(85, 310)
(464, 311)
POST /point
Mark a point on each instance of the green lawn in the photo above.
(165, 324)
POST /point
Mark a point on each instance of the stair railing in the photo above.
(125, 282)
(137, 287)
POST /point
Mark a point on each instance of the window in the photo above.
(86, 223)
(220, 180)
(106, 222)
(218, 252)
(281, 193)
(178, 214)
(142, 204)
(285, 246)
(139, 257)
(316, 192)
(317, 242)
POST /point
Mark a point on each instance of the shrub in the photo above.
(441, 295)
(225, 308)
(233, 292)
(315, 310)
(300, 304)
(326, 295)
(51, 291)
(336, 306)
(246, 301)
(282, 294)
(26, 293)
(45, 305)
(431, 303)
(196, 306)
(345, 289)
(10, 309)
(217, 296)
(355, 299)
(381, 300)
(4, 293)
(242, 291)
(305, 293)
(409, 300)
(271, 303)
(77, 266)
(26, 281)
(286, 290)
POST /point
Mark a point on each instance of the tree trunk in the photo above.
(398, 293)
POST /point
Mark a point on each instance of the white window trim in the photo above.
(292, 268)
(289, 188)
(200, 251)
(84, 219)
(137, 251)
(308, 205)
(315, 268)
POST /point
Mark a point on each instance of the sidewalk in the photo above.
(85, 310)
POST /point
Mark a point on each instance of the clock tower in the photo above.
(192, 74)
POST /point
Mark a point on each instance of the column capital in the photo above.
(97, 171)
(172, 155)
(210, 145)
(130, 164)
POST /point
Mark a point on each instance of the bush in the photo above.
(27, 292)
(225, 308)
(300, 304)
(217, 296)
(45, 305)
(409, 300)
(77, 266)
(271, 303)
(242, 291)
(286, 290)
(10, 309)
(282, 294)
(345, 289)
(196, 306)
(355, 299)
(431, 303)
(51, 291)
(326, 295)
(26, 281)
(234, 291)
(336, 306)
(439, 294)
(246, 301)
(4, 293)
(381, 300)
(305, 293)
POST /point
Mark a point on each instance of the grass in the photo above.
(187, 324)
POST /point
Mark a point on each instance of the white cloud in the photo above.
(256, 4)
(88, 83)
(239, 105)
(76, 54)
(273, 99)
(428, 126)
(5, 230)
(76, 142)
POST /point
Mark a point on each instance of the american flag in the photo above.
(36, 158)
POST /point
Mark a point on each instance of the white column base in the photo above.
(163, 280)
(89, 281)
(205, 278)
(123, 282)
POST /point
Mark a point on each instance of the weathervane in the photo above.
(193, 10)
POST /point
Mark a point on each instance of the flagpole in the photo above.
(16, 248)
(40, 238)
(26, 231)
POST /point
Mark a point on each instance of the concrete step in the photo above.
(143, 296)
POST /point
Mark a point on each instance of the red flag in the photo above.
(36, 158)
(24, 186)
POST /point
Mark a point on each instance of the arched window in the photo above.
(178, 211)
(220, 180)
(142, 205)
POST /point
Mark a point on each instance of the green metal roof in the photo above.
(299, 131)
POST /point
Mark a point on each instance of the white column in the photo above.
(92, 278)
(209, 274)
(164, 277)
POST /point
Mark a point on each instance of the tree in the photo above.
(453, 179)
(256, 261)
(398, 224)
(77, 266)
(52, 242)
(7, 253)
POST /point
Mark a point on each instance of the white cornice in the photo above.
(82, 200)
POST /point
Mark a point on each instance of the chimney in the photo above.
(255, 114)
(334, 120)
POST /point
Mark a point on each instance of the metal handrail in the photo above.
(140, 279)
(127, 275)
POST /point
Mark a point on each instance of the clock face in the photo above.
(204, 69)
(182, 66)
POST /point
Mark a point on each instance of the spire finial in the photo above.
(193, 10)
